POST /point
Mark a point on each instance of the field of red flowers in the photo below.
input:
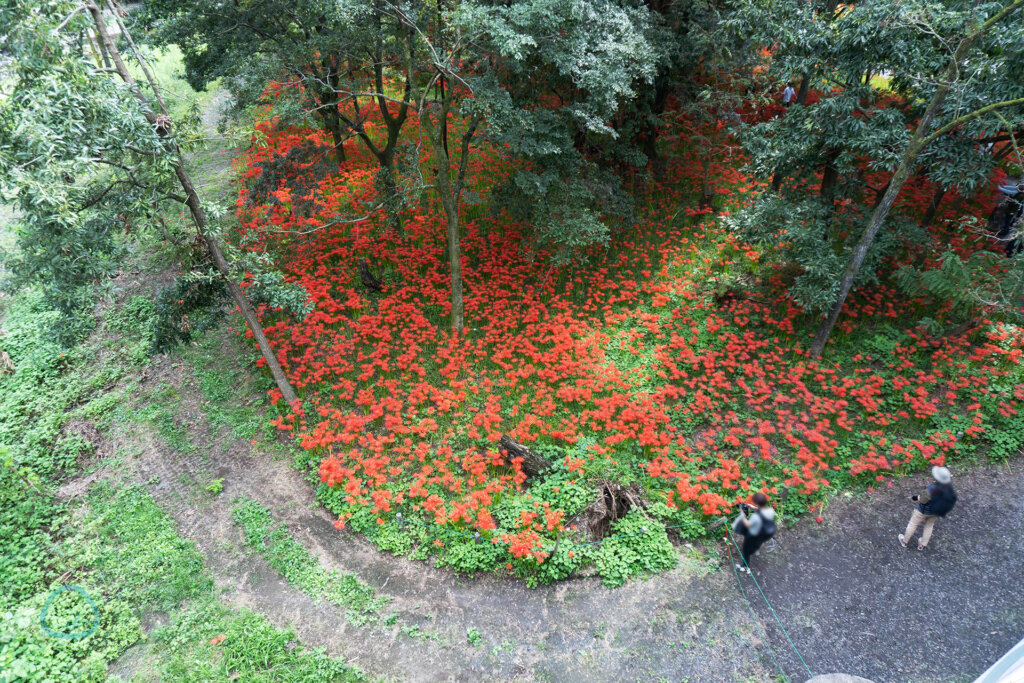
(674, 359)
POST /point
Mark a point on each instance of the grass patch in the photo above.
(160, 414)
(125, 554)
(230, 392)
(119, 549)
(148, 562)
(300, 568)
(209, 642)
(116, 546)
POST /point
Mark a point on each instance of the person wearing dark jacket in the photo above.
(937, 500)
(756, 529)
(1013, 210)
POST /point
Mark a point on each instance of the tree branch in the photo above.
(195, 207)
(1013, 139)
(973, 115)
(329, 224)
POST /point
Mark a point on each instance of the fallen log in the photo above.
(532, 464)
(954, 332)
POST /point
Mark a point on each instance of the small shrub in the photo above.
(636, 547)
(187, 307)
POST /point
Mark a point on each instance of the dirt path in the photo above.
(675, 626)
(850, 597)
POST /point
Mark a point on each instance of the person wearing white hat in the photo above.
(937, 500)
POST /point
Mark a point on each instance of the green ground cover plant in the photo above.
(115, 545)
(300, 568)
(123, 552)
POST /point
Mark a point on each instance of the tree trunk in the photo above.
(449, 196)
(907, 164)
(707, 193)
(650, 150)
(450, 204)
(444, 123)
(451, 212)
(805, 87)
(829, 175)
(332, 124)
(829, 178)
(393, 200)
(954, 208)
(650, 133)
(192, 200)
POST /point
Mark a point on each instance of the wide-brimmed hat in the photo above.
(941, 475)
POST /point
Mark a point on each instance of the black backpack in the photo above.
(943, 504)
(768, 528)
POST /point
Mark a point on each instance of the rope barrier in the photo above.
(757, 622)
(732, 540)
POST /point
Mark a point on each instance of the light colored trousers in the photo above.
(915, 521)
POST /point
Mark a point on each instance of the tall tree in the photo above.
(557, 81)
(85, 153)
(340, 60)
(929, 51)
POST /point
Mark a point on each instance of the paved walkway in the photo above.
(854, 601)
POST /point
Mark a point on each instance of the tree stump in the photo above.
(6, 364)
(532, 464)
(370, 281)
(612, 503)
